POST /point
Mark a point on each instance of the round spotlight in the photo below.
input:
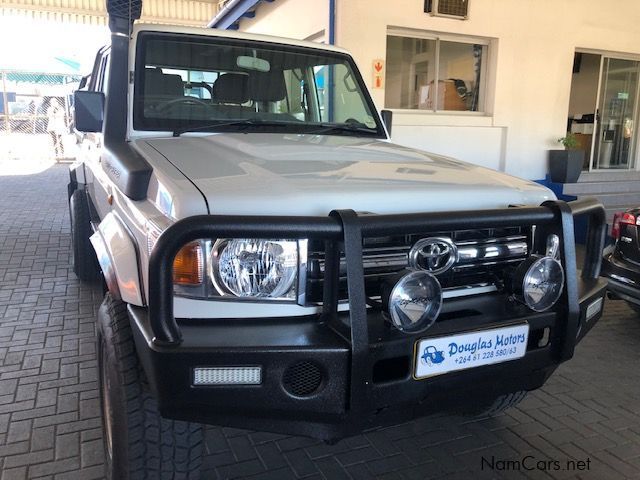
(415, 301)
(538, 282)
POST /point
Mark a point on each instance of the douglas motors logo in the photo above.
(432, 355)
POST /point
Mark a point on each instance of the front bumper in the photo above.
(365, 366)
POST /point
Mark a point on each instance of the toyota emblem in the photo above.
(434, 255)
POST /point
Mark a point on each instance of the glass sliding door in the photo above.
(616, 117)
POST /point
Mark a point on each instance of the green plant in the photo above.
(570, 141)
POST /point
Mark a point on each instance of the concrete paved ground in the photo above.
(50, 419)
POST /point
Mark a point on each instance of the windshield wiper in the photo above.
(249, 122)
(305, 128)
(343, 128)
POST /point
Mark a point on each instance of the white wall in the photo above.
(300, 19)
(530, 66)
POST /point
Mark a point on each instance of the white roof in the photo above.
(215, 32)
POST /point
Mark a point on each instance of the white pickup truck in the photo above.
(273, 261)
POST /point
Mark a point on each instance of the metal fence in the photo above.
(35, 120)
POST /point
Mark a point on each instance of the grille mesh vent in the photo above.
(128, 9)
(302, 379)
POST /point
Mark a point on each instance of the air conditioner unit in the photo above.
(447, 8)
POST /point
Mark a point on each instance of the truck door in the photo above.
(92, 145)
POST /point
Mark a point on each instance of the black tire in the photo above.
(494, 407)
(83, 257)
(71, 187)
(502, 403)
(139, 443)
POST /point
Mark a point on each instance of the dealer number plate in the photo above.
(435, 356)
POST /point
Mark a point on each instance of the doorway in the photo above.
(603, 110)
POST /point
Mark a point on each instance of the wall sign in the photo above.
(378, 73)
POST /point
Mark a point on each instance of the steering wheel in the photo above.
(187, 100)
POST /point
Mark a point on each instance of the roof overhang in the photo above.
(229, 17)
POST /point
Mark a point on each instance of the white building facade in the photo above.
(495, 84)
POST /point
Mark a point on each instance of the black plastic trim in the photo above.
(624, 291)
(330, 413)
(555, 217)
(126, 168)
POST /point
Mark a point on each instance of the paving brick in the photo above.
(43, 438)
(19, 473)
(241, 469)
(278, 474)
(19, 431)
(388, 464)
(359, 455)
(67, 445)
(28, 458)
(92, 453)
(50, 468)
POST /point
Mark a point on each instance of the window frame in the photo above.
(98, 73)
(439, 37)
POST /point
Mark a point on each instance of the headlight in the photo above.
(254, 268)
(538, 282)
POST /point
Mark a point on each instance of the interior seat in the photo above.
(158, 84)
(231, 88)
(267, 86)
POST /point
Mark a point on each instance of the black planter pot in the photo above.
(565, 166)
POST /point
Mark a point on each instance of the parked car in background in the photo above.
(621, 264)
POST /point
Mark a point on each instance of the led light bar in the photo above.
(227, 376)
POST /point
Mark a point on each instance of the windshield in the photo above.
(195, 83)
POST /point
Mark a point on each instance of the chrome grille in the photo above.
(483, 256)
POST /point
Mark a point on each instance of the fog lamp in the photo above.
(538, 282)
(415, 301)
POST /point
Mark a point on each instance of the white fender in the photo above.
(117, 256)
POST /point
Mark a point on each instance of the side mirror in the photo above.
(88, 110)
(387, 118)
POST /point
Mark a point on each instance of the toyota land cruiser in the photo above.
(273, 261)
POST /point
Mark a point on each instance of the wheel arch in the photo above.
(118, 257)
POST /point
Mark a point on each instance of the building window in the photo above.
(415, 62)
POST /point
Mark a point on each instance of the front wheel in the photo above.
(139, 444)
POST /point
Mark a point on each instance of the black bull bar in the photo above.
(344, 230)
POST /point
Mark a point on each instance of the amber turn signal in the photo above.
(188, 265)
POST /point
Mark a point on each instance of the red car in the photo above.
(621, 265)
